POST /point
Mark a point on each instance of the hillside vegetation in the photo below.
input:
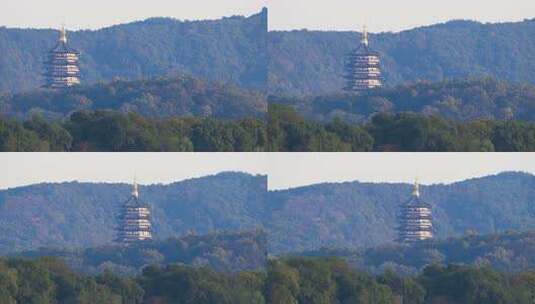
(353, 214)
(312, 62)
(180, 96)
(509, 252)
(82, 215)
(232, 50)
(224, 252)
(459, 100)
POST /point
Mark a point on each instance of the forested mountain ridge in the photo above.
(312, 62)
(83, 214)
(323, 215)
(231, 49)
(178, 96)
(354, 214)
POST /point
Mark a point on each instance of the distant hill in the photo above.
(324, 215)
(226, 252)
(357, 214)
(509, 252)
(231, 49)
(156, 97)
(461, 100)
(83, 215)
(311, 62)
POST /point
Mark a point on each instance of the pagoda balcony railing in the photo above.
(416, 221)
(68, 68)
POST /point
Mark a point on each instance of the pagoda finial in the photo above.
(135, 190)
(365, 36)
(63, 34)
(416, 190)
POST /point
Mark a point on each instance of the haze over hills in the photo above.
(312, 62)
(231, 49)
(336, 215)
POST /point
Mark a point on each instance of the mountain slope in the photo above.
(311, 62)
(83, 215)
(362, 214)
(230, 49)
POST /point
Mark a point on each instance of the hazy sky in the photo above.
(300, 169)
(380, 15)
(284, 170)
(29, 168)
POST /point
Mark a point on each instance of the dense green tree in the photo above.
(284, 281)
(461, 284)
(105, 130)
(289, 131)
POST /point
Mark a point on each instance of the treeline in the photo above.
(288, 130)
(111, 131)
(292, 280)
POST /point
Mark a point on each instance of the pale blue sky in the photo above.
(380, 15)
(284, 170)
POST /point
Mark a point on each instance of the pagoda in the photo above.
(415, 221)
(363, 70)
(61, 67)
(134, 220)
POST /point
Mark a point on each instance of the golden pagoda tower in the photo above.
(415, 220)
(363, 71)
(61, 67)
(134, 220)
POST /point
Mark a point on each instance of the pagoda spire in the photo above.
(364, 40)
(416, 189)
(415, 219)
(134, 219)
(135, 189)
(362, 70)
(63, 34)
(61, 67)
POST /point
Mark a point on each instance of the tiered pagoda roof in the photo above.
(363, 71)
(61, 66)
(415, 219)
(134, 220)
